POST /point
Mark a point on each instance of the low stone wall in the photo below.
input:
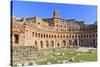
(23, 55)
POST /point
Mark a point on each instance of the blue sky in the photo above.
(24, 9)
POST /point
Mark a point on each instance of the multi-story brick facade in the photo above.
(52, 32)
(44, 33)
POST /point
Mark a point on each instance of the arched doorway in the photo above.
(64, 43)
(94, 43)
(47, 43)
(16, 37)
(75, 42)
(52, 43)
(35, 43)
(81, 43)
(41, 43)
(70, 42)
(58, 44)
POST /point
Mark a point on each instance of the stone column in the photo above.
(66, 43)
(77, 42)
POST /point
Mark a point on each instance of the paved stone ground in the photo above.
(85, 49)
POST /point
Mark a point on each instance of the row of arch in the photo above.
(64, 43)
(35, 34)
(51, 43)
(84, 29)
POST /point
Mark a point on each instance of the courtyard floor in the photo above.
(65, 55)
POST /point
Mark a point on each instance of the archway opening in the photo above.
(41, 43)
(47, 44)
(16, 36)
(52, 43)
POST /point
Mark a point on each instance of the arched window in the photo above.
(49, 36)
(41, 35)
(72, 29)
(33, 34)
(76, 36)
(46, 35)
(52, 36)
(66, 36)
(80, 29)
(38, 34)
(58, 36)
(93, 35)
(79, 36)
(55, 36)
(72, 36)
(84, 35)
(39, 23)
(87, 35)
(61, 25)
(90, 35)
(63, 36)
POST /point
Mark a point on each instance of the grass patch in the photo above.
(68, 54)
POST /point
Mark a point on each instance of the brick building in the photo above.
(44, 33)
(52, 32)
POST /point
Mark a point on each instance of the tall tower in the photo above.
(56, 18)
(56, 14)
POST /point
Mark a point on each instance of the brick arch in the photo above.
(70, 42)
(36, 43)
(41, 44)
(52, 43)
(58, 44)
(64, 43)
(47, 43)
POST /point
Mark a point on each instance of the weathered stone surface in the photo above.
(23, 54)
